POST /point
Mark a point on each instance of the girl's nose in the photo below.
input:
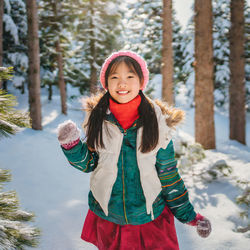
(122, 83)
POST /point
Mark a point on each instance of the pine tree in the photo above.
(1, 36)
(10, 119)
(47, 37)
(144, 31)
(57, 10)
(14, 230)
(15, 40)
(204, 98)
(247, 55)
(221, 25)
(221, 13)
(181, 56)
(15, 233)
(167, 53)
(34, 66)
(187, 61)
(144, 35)
(98, 32)
(237, 70)
(56, 24)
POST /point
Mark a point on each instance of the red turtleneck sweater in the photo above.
(125, 113)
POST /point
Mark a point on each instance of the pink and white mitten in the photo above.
(203, 225)
(68, 134)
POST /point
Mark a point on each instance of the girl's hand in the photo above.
(202, 224)
(204, 227)
(68, 134)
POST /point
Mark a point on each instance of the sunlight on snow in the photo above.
(49, 118)
(74, 203)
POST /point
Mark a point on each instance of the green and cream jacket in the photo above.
(127, 186)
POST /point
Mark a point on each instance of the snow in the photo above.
(17, 58)
(57, 193)
(183, 11)
(11, 27)
(18, 80)
(111, 8)
(7, 6)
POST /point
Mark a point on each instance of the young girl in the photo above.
(135, 187)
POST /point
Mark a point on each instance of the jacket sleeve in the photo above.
(81, 157)
(173, 188)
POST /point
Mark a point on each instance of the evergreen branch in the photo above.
(5, 176)
(6, 73)
(11, 120)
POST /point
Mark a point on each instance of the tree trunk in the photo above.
(34, 65)
(167, 53)
(22, 88)
(237, 77)
(50, 92)
(1, 35)
(93, 70)
(204, 85)
(61, 82)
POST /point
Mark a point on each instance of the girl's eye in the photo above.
(113, 77)
(131, 77)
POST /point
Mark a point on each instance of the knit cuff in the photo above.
(196, 219)
(70, 145)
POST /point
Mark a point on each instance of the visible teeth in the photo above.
(123, 92)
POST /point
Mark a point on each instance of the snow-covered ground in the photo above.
(57, 193)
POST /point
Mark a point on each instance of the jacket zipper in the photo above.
(123, 183)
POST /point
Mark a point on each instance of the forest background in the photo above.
(60, 45)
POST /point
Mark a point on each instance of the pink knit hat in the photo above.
(131, 54)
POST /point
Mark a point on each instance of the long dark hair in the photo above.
(147, 116)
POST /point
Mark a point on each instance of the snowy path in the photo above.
(57, 193)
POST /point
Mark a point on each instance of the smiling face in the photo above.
(123, 83)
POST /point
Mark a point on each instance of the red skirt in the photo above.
(158, 234)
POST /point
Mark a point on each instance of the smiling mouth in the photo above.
(122, 92)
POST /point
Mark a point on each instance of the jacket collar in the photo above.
(111, 118)
(173, 116)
